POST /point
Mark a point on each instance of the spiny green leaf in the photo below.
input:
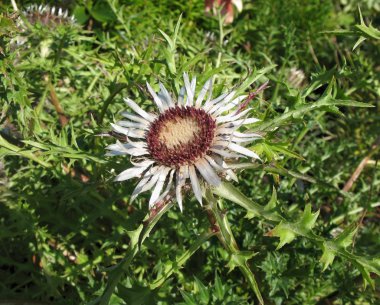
(340, 32)
(186, 66)
(18, 151)
(203, 291)
(327, 256)
(239, 259)
(369, 31)
(250, 215)
(37, 144)
(349, 103)
(333, 109)
(288, 231)
(366, 276)
(151, 220)
(308, 218)
(272, 204)
(328, 93)
(287, 152)
(318, 81)
(170, 60)
(208, 74)
(189, 299)
(358, 42)
(254, 76)
(134, 235)
(176, 30)
(219, 289)
(228, 191)
(345, 238)
(285, 234)
(136, 295)
(168, 39)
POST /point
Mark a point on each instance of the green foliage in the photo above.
(291, 231)
(362, 30)
(215, 293)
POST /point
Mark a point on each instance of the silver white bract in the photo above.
(59, 12)
(228, 143)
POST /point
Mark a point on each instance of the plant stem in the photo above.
(108, 101)
(221, 226)
(57, 105)
(221, 38)
(14, 5)
(137, 238)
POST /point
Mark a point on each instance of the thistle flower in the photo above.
(227, 8)
(296, 78)
(45, 15)
(186, 142)
(48, 16)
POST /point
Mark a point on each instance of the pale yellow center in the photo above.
(178, 132)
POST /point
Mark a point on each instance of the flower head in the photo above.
(296, 78)
(48, 16)
(227, 8)
(187, 142)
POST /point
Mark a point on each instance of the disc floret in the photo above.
(181, 135)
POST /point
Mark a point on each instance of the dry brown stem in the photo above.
(57, 105)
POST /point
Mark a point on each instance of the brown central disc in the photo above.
(180, 135)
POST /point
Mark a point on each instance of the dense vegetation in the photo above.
(68, 233)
